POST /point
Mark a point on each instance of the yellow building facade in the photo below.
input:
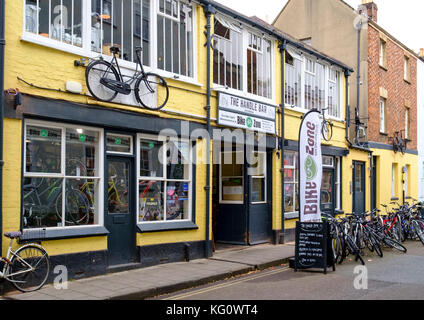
(85, 178)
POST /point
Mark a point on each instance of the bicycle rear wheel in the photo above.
(394, 244)
(28, 257)
(327, 130)
(419, 229)
(96, 71)
(151, 91)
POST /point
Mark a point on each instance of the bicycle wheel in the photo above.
(419, 229)
(27, 257)
(327, 130)
(394, 244)
(353, 249)
(77, 208)
(96, 71)
(151, 91)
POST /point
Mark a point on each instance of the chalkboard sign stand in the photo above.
(313, 247)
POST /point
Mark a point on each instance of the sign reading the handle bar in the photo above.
(246, 114)
(310, 167)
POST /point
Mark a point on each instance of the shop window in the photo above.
(119, 144)
(62, 176)
(258, 175)
(232, 177)
(291, 185)
(227, 56)
(164, 180)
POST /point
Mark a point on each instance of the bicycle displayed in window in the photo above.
(42, 202)
(105, 81)
(28, 267)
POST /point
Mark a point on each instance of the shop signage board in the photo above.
(313, 247)
(310, 167)
(238, 112)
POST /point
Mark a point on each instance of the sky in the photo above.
(403, 19)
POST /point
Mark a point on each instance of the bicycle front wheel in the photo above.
(151, 91)
(327, 130)
(419, 229)
(29, 268)
(97, 71)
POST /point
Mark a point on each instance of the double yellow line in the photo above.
(224, 285)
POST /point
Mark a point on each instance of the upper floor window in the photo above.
(259, 66)
(406, 69)
(382, 115)
(333, 93)
(242, 59)
(88, 27)
(312, 85)
(382, 56)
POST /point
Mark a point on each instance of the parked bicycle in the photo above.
(28, 267)
(105, 81)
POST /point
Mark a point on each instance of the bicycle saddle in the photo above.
(13, 234)
(115, 49)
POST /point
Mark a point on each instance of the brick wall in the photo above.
(399, 92)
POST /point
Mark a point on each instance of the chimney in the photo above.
(421, 54)
(369, 9)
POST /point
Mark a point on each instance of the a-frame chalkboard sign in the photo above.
(313, 246)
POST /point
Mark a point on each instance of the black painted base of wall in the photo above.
(290, 235)
(172, 252)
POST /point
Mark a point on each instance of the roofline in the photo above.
(273, 32)
(281, 11)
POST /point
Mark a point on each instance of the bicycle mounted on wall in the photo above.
(399, 142)
(105, 80)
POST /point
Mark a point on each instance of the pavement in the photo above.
(162, 279)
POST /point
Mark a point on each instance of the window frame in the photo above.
(62, 175)
(127, 67)
(304, 58)
(382, 56)
(264, 177)
(245, 30)
(221, 200)
(164, 178)
(295, 182)
(383, 116)
(406, 68)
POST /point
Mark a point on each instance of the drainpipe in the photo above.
(283, 48)
(209, 11)
(347, 108)
(358, 83)
(2, 44)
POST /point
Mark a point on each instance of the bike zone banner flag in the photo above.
(310, 167)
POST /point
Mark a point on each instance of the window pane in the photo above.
(82, 153)
(289, 198)
(232, 164)
(289, 175)
(151, 205)
(118, 143)
(31, 15)
(127, 51)
(177, 201)
(118, 186)
(117, 27)
(151, 158)
(81, 202)
(161, 49)
(327, 190)
(232, 189)
(42, 203)
(259, 168)
(178, 160)
(43, 149)
(258, 189)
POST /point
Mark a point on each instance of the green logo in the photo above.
(151, 145)
(118, 141)
(83, 137)
(310, 168)
(44, 133)
(249, 122)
